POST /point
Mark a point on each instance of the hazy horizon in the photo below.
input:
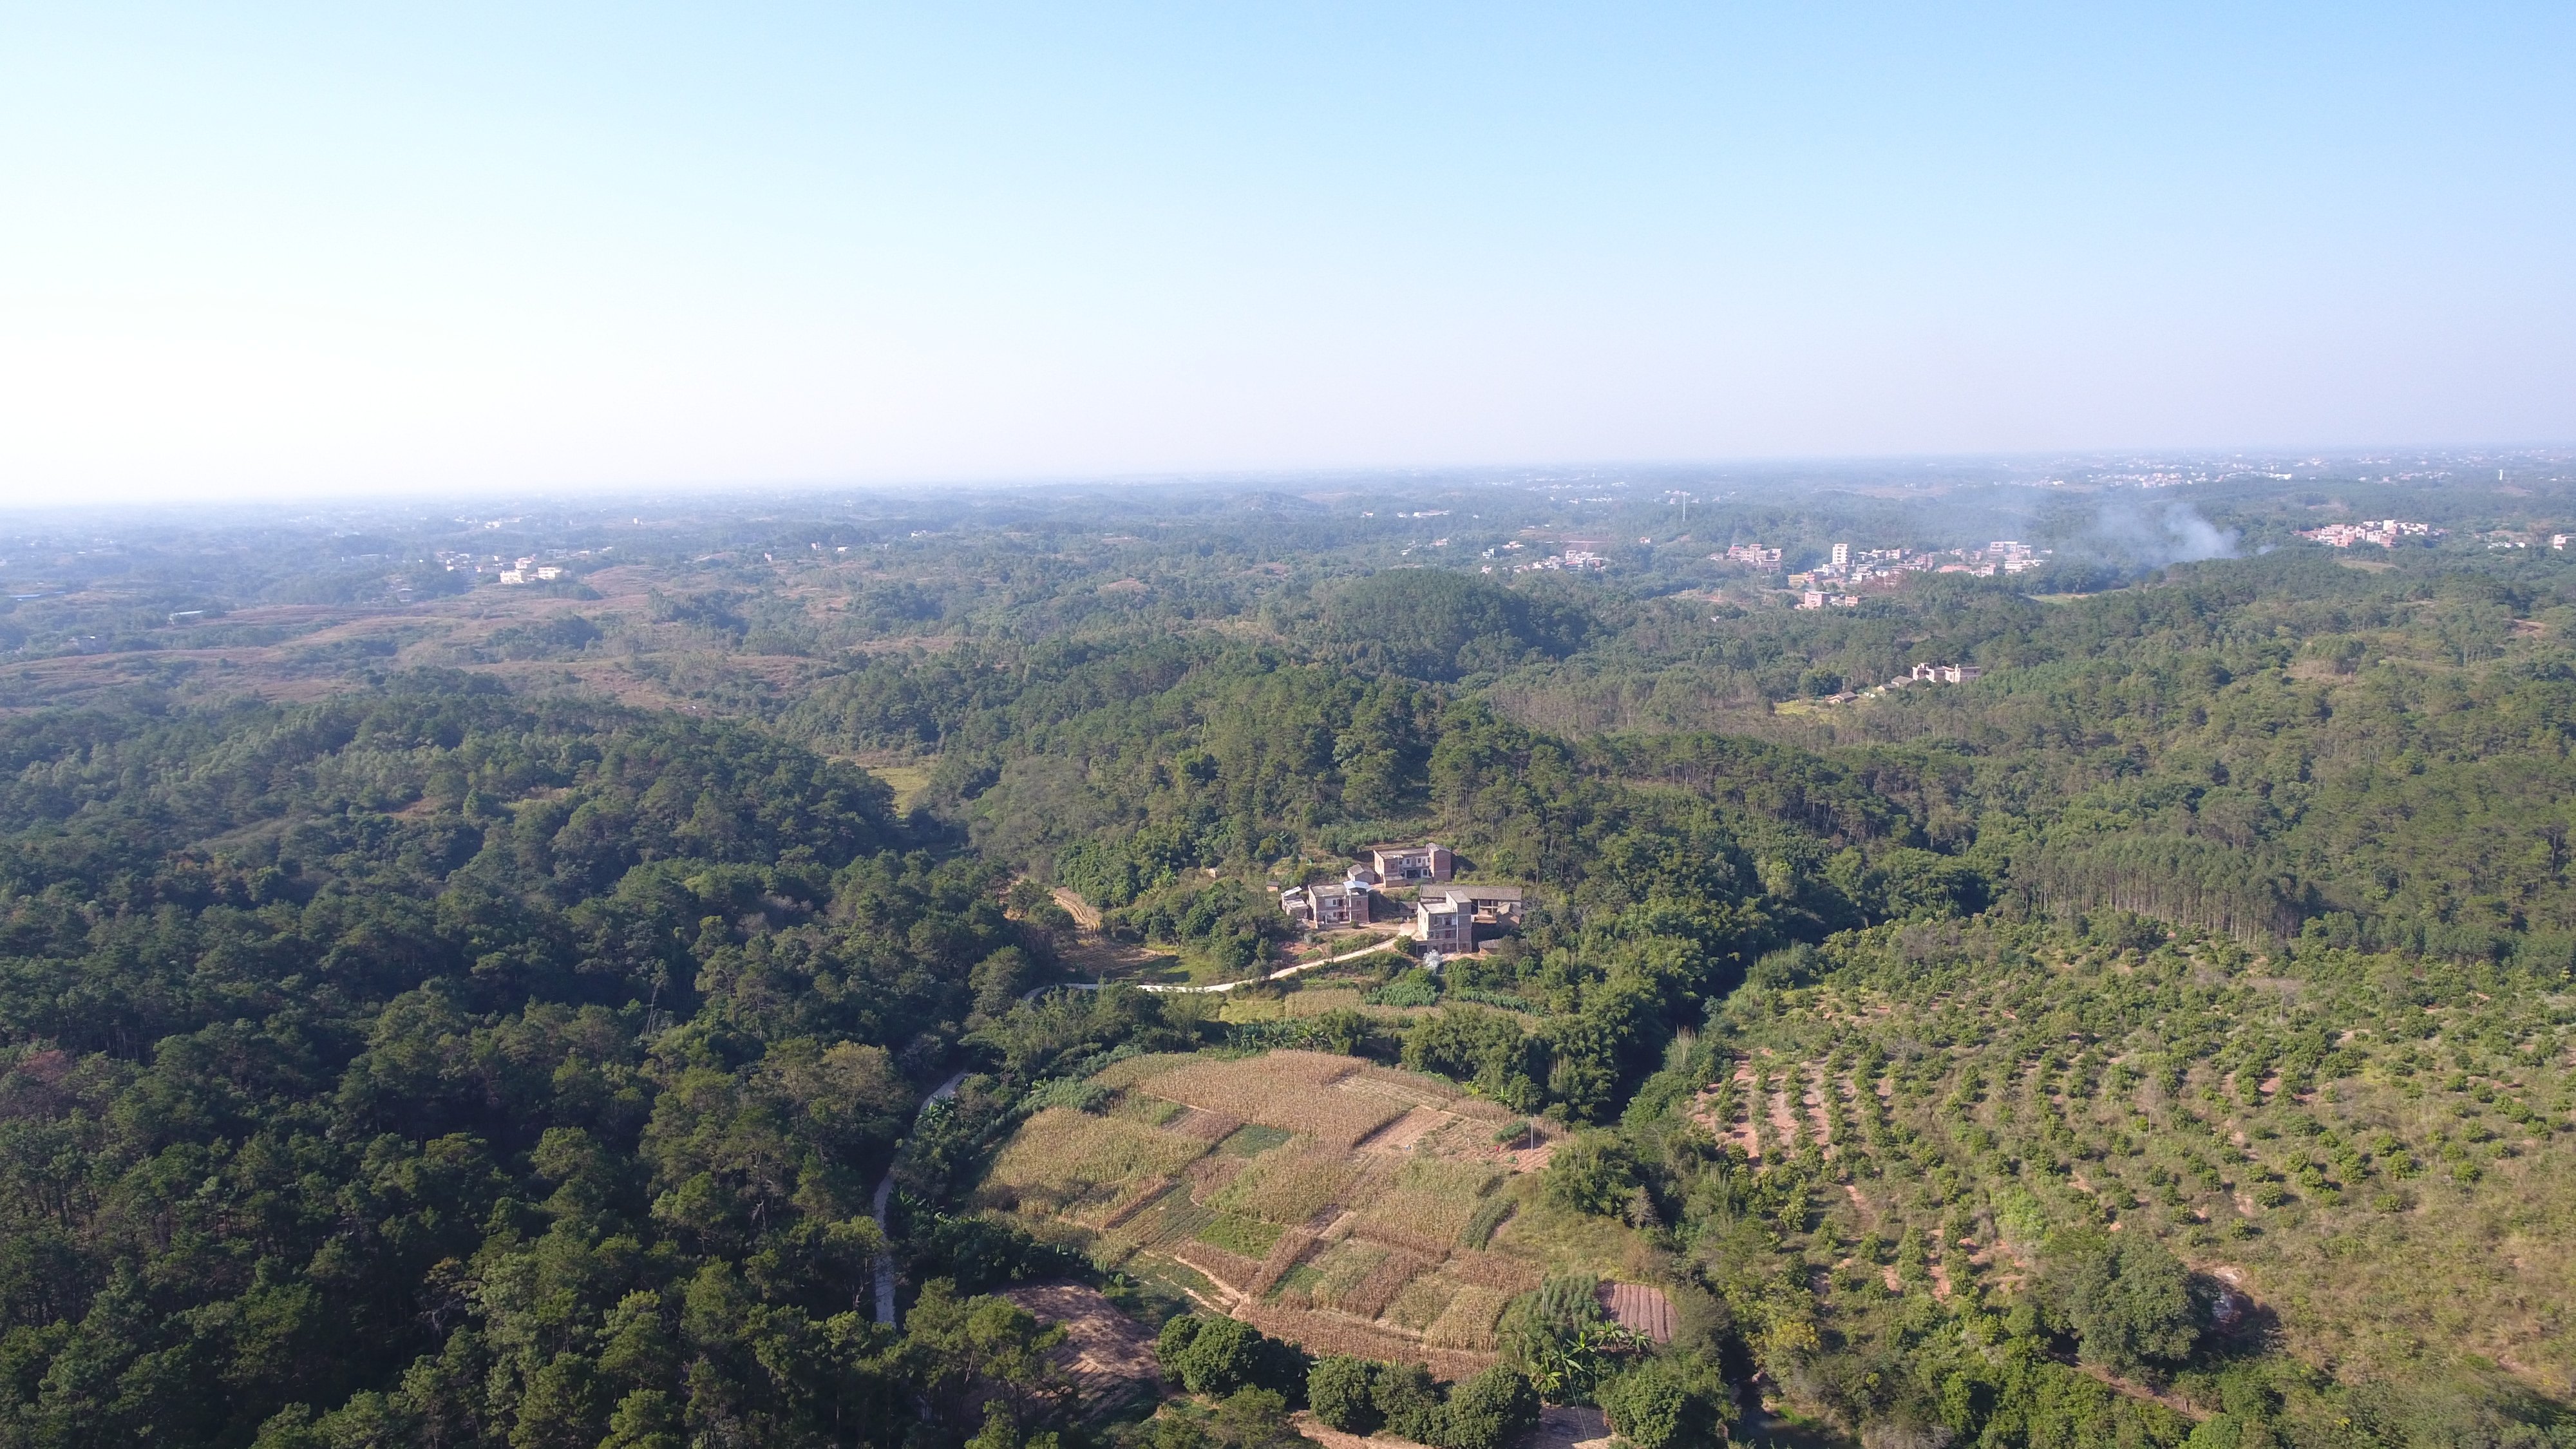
(310, 255)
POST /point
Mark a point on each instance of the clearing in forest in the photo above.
(1347, 1206)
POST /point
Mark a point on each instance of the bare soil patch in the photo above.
(1640, 1309)
(1107, 1354)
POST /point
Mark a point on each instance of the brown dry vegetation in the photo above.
(1429, 1202)
(1294, 1091)
(1291, 1185)
(1288, 1220)
(1421, 1303)
(1062, 1157)
(1468, 1321)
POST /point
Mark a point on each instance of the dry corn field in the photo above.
(1326, 1196)
(1322, 1333)
(1292, 1186)
(1284, 1254)
(1133, 1201)
(1343, 1267)
(1420, 1304)
(1234, 1270)
(1293, 1091)
(1210, 1175)
(1371, 1296)
(1429, 1203)
(1468, 1321)
(1493, 1270)
(1062, 1157)
(1201, 1126)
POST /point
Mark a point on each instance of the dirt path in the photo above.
(1281, 974)
(1078, 908)
(884, 1197)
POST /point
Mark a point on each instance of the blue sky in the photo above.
(341, 249)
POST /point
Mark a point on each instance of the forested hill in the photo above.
(484, 1017)
(488, 1059)
(2260, 747)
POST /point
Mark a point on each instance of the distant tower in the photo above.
(1842, 554)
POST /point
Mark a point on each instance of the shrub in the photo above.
(1493, 1409)
(1218, 1356)
(1656, 1406)
(1593, 1173)
(1256, 1419)
(1416, 987)
(1410, 1403)
(2126, 1300)
(1342, 1392)
(1177, 1336)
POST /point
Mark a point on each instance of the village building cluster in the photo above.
(1920, 674)
(1829, 585)
(545, 567)
(1937, 674)
(2385, 532)
(1577, 560)
(1446, 915)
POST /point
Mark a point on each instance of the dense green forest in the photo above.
(485, 1017)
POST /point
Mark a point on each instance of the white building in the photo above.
(1412, 864)
(1444, 923)
(1327, 907)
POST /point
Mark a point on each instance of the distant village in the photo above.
(1826, 586)
(1447, 917)
(2385, 532)
(1582, 555)
(531, 569)
(1921, 674)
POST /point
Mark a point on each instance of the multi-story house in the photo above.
(1445, 923)
(1446, 920)
(1500, 905)
(1328, 907)
(1341, 903)
(1412, 864)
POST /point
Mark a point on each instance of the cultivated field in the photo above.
(1348, 1206)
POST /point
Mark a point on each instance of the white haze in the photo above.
(2153, 538)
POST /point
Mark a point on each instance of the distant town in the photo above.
(2385, 532)
(1828, 585)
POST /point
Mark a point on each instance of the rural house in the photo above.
(1411, 864)
(1329, 906)
(1445, 923)
(1500, 905)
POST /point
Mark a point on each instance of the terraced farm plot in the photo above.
(1430, 1202)
(1421, 1303)
(1061, 1158)
(1289, 1186)
(1331, 1197)
(1468, 1321)
(1253, 1140)
(1293, 1091)
(1248, 1236)
(1342, 1268)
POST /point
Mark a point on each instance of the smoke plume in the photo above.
(2144, 537)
